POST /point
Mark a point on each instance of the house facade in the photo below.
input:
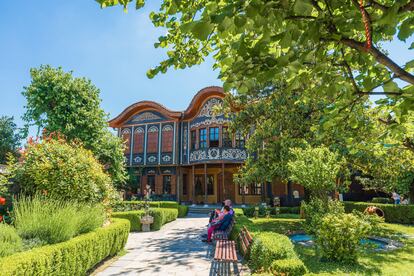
(191, 156)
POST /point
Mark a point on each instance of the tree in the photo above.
(317, 169)
(9, 138)
(338, 43)
(58, 102)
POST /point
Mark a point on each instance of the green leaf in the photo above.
(391, 87)
(406, 29)
(202, 29)
(409, 66)
(303, 7)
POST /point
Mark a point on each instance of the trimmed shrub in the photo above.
(383, 200)
(338, 236)
(289, 210)
(291, 267)
(124, 206)
(392, 213)
(54, 221)
(134, 218)
(10, 242)
(161, 217)
(74, 257)
(182, 211)
(268, 247)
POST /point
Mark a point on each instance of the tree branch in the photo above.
(381, 58)
(407, 7)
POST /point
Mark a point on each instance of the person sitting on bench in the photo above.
(221, 224)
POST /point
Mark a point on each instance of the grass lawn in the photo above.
(397, 262)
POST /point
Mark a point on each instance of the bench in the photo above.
(223, 234)
(226, 253)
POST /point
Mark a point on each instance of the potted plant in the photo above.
(147, 219)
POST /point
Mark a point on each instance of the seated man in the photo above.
(221, 224)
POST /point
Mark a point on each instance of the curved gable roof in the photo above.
(191, 111)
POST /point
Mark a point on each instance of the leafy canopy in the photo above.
(9, 138)
(317, 169)
(59, 102)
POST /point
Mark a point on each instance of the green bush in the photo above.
(338, 236)
(63, 170)
(134, 218)
(54, 221)
(392, 213)
(74, 257)
(161, 217)
(316, 209)
(289, 210)
(10, 242)
(291, 267)
(182, 211)
(124, 206)
(268, 247)
(383, 200)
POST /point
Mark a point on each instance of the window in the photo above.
(239, 140)
(198, 179)
(214, 137)
(200, 184)
(139, 140)
(167, 138)
(193, 139)
(252, 189)
(126, 137)
(151, 183)
(203, 138)
(185, 184)
(152, 139)
(210, 185)
(166, 184)
(226, 138)
(256, 189)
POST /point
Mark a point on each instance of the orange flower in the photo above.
(2, 201)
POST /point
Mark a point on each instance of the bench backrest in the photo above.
(245, 240)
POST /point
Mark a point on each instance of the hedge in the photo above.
(134, 218)
(137, 205)
(262, 211)
(392, 213)
(267, 247)
(291, 267)
(74, 257)
(182, 211)
(161, 217)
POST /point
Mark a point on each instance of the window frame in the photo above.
(216, 137)
(169, 178)
(202, 137)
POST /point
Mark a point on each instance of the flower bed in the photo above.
(74, 257)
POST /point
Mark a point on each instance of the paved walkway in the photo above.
(174, 250)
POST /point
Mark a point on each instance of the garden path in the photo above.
(176, 249)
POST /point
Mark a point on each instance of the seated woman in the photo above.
(220, 224)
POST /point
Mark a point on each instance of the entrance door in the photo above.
(228, 192)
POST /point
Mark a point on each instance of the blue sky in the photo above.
(111, 48)
(108, 46)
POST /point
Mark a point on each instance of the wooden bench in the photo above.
(223, 234)
(226, 253)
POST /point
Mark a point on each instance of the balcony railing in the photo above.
(218, 154)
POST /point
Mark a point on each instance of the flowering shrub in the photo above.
(63, 170)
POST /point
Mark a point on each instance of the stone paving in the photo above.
(174, 250)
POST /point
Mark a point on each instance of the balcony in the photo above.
(218, 154)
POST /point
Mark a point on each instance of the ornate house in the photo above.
(190, 155)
